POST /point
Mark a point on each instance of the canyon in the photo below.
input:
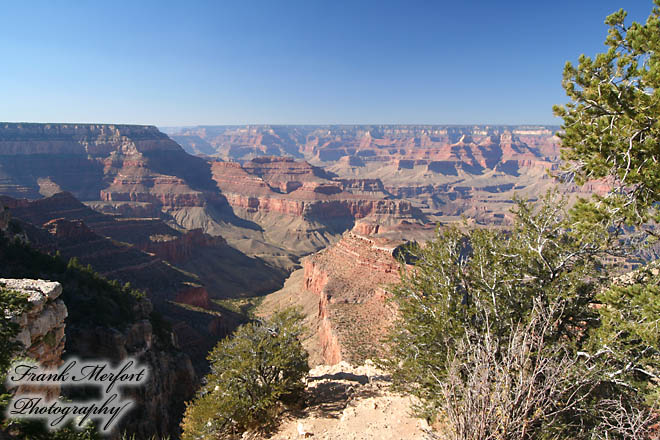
(252, 204)
(312, 216)
(77, 313)
(446, 171)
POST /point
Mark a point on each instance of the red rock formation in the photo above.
(194, 296)
(366, 228)
(250, 187)
(424, 164)
(66, 230)
(180, 248)
(350, 279)
(113, 163)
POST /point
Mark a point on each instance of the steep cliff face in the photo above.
(39, 159)
(103, 321)
(159, 403)
(180, 248)
(172, 378)
(342, 291)
(350, 280)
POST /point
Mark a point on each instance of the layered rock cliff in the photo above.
(210, 258)
(114, 163)
(447, 171)
(171, 289)
(284, 195)
(342, 291)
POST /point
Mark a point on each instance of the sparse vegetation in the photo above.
(242, 306)
(89, 296)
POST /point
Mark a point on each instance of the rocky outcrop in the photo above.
(350, 278)
(182, 247)
(41, 325)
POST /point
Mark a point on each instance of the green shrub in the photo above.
(497, 333)
(252, 373)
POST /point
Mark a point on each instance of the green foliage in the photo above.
(252, 373)
(495, 322)
(486, 280)
(90, 298)
(612, 132)
(11, 304)
(611, 125)
(629, 333)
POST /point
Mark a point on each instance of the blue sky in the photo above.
(308, 62)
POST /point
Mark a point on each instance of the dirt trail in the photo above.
(352, 403)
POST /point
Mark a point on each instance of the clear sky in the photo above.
(307, 62)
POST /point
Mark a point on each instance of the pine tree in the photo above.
(612, 132)
(612, 122)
